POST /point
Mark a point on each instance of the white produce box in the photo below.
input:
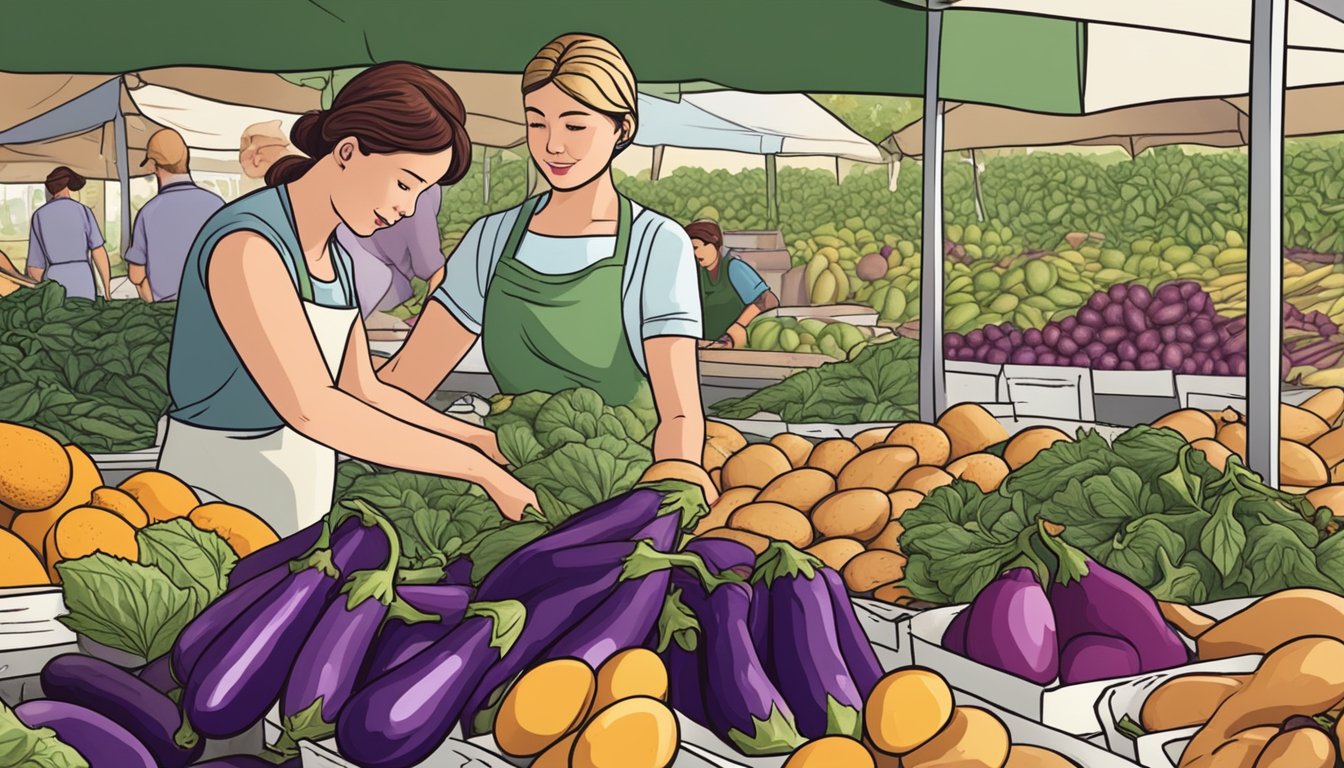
(1025, 731)
(30, 635)
(1049, 391)
(888, 629)
(1127, 699)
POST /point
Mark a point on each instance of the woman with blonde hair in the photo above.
(578, 286)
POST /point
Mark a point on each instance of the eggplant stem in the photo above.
(371, 517)
(780, 560)
(1072, 563)
(420, 576)
(1028, 558)
(646, 560)
(1130, 728)
(507, 619)
(677, 622)
(685, 499)
(186, 736)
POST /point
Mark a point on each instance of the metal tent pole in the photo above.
(1264, 272)
(771, 193)
(123, 178)
(933, 386)
(485, 174)
(656, 170)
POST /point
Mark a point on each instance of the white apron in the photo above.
(280, 475)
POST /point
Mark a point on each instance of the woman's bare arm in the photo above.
(437, 343)
(675, 377)
(251, 292)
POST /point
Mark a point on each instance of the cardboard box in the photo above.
(1212, 393)
(1049, 391)
(854, 314)
(968, 382)
(1134, 383)
(756, 364)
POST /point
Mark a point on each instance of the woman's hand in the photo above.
(513, 498)
(738, 335)
(488, 443)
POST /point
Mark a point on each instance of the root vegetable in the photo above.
(163, 496)
(1301, 748)
(836, 553)
(974, 737)
(831, 456)
(800, 489)
(1328, 404)
(1239, 751)
(635, 733)
(1024, 756)
(931, 443)
(906, 709)
(728, 503)
(890, 538)
(984, 469)
(19, 564)
(245, 532)
(1330, 446)
(85, 530)
(873, 569)
(871, 437)
(830, 752)
(557, 755)
(796, 447)
(970, 429)
(893, 593)
(120, 503)
(32, 527)
(754, 542)
(1215, 452)
(773, 521)
(1330, 496)
(880, 468)
(755, 466)
(1190, 423)
(904, 501)
(1187, 700)
(721, 442)
(1300, 425)
(1234, 437)
(1273, 620)
(685, 471)
(860, 513)
(1299, 465)
(924, 480)
(1025, 445)
(1186, 619)
(630, 673)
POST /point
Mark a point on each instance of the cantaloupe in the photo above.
(1300, 425)
(800, 489)
(870, 437)
(904, 501)
(970, 429)
(35, 470)
(721, 441)
(924, 480)
(724, 507)
(755, 466)
(880, 468)
(984, 469)
(1025, 445)
(859, 513)
(931, 443)
(19, 564)
(796, 447)
(1215, 453)
(1328, 404)
(831, 456)
(1299, 465)
(1190, 423)
(32, 527)
(163, 496)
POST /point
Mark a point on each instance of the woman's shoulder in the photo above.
(660, 230)
(255, 212)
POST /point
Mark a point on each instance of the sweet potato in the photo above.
(773, 521)
(1187, 700)
(1024, 756)
(800, 489)
(557, 755)
(836, 553)
(1272, 621)
(1190, 423)
(32, 527)
(755, 466)
(879, 468)
(871, 437)
(121, 504)
(635, 732)
(924, 480)
(904, 501)
(796, 447)
(1328, 404)
(893, 593)
(970, 429)
(244, 531)
(906, 709)
(35, 472)
(1299, 748)
(630, 673)
(163, 496)
(1300, 425)
(931, 443)
(1185, 619)
(721, 442)
(1329, 496)
(858, 513)
(750, 540)
(1215, 452)
(1337, 474)
(716, 477)
(685, 471)
(1303, 677)
(1299, 465)
(727, 503)
(873, 569)
(890, 538)
(1025, 445)
(19, 564)
(1238, 751)
(974, 737)
(831, 456)
(548, 702)
(984, 469)
(831, 752)
(1330, 446)
(1233, 436)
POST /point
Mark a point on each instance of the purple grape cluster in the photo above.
(1130, 328)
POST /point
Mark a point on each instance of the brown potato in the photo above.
(1190, 423)
(1328, 404)
(880, 468)
(1300, 425)
(873, 569)
(971, 429)
(924, 480)
(1215, 452)
(1187, 700)
(1239, 750)
(890, 538)
(974, 737)
(721, 442)
(836, 553)
(1025, 445)
(904, 501)
(984, 469)
(800, 489)
(1234, 437)
(1299, 465)
(1272, 621)
(1299, 748)
(894, 594)
(773, 521)
(755, 466)
(796, 447)
(831, 456)
(831, 752)
(725, 506)
(931, 443)
(871, 437)
(1329, 496)
(551, 700)
(716, 477)
(859, 513)
(635, 732)
(685, 471)
(753, 542)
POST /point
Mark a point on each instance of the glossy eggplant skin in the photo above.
(398, 641)
(159, 674)
(858, 651)
(148, 715)
(289, 548)
(621, 621)
(1012, 627)
(685, 679)
(197, 636)
(96, 737)
(954, 637)
(1092, 657)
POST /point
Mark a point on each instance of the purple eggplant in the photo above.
(954, 637)
(96, 737)
(399, 640)
(399, 719)
(758, 619)
(248, 761)
(201, 631)
(742, 705)
(159, 674)
(1012, 627)
(1091, 657)
(858, 651)
(151, 717)
(331, 659)
(622, 620)
(251, 657)
(722, 555)
(1089, 598)
(683, 657)
(804, 656)
(457, 572)
(289, 548)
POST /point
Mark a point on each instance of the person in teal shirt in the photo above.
(732, 294)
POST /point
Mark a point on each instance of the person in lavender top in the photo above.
(167, 225)
(63, 237)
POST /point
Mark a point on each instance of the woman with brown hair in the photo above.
(579, 287)
(269, 371)
(732, 293)
(63, 239)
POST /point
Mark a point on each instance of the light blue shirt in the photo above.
(660, 289)
(746, 281)
(165, 229)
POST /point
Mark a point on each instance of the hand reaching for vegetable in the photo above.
(488, 443)
(513, 499)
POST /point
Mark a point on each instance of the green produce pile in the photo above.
(90, 373)
(1148, 506)
(809, 335)
(141, 607)
(881, 384)
(570, 447)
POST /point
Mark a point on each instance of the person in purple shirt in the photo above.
(168, 224)
(62, 238)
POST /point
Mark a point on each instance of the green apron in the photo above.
(550, 333)
(719, 302)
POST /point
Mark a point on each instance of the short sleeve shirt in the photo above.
(62, 232)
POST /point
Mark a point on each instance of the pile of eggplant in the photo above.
(1057, 614)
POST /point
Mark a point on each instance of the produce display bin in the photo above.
(116, 467)
(30, 636)
(757, 365)
(967, 382)
(888, 629)
(1025, 731)
(1048, 391)
(854, 314)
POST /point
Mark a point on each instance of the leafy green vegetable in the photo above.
(519, 443)
(500, 543)
(191, 558)
(439, 519)
(587, 473)
(24, 747)
(131, 607)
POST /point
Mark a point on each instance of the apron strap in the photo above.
(525, 212)
(529, 207)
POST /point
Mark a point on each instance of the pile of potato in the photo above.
(564, 714)
(1311, 444)
(911, 720)
(55, 506)
(842, 500)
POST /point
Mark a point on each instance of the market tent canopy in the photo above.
(29, 96)
(79, 133)
(761, 124)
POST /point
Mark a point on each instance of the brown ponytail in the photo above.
(390, 108)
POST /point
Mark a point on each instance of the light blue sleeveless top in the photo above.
(207, 382)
